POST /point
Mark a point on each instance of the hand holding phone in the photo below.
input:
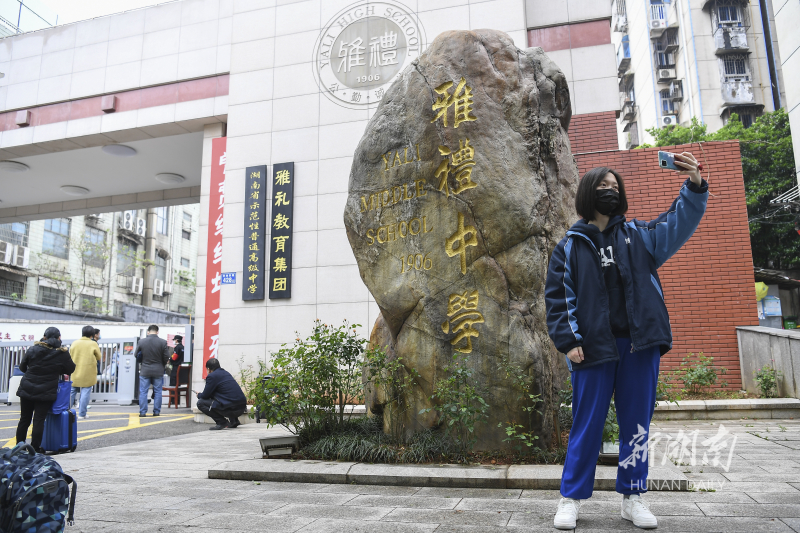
(684, 164)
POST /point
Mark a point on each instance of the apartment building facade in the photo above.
(98, 262)
(694, 58)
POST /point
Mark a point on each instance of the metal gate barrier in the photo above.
(115, 380)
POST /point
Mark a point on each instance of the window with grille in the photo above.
(94, 253)
(161, 268)
(51, 297)
(186, 235)
(184, 262)
(13, 289)
(91, 304)
(162, 220)
(118, 308)
(183, 309)
(667, 104)
(728, 14)
(56, 237)
(15, 233)
(736, 66)
(747, 119)
(126, 257)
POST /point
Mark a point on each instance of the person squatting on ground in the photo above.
(222, 398)
(42, 364)
(86, 354)
(606, 312)
(154, 353)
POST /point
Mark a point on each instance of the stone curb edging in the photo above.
(728, 409)
(541, 477)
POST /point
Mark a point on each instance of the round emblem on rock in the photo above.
(363, 48)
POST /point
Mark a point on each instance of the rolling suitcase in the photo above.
(60, 432)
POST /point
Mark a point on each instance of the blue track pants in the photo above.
(633, 381)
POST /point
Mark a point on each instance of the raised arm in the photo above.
(665, 235)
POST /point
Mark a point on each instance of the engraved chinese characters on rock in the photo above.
(462, 314)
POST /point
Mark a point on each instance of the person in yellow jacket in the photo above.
(85, 354)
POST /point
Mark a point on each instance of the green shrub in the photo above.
(459, 402)
(309, 384)
(767, 380)
(698, 375)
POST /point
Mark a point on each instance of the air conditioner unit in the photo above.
(669, 120)
(141, 227)
(158, 288)
(137, 285)
(6, 252)
(657, 24)
(128, 220)
(168, 288)
(21, 256)
(667, 74)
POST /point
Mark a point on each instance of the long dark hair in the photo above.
(585, 198)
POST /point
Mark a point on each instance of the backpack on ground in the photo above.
(34, 492)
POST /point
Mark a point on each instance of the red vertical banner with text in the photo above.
(216, 207)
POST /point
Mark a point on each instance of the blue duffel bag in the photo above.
(34, 492)
(62, 397)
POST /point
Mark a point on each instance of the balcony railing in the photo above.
(628, 112)
(619, 16)
(658, 20)
(676, 90)
(623, 56)
(737, 92)
(730, 40)
(632, 136)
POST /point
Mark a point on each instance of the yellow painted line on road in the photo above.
(133, 422)
(94, 420)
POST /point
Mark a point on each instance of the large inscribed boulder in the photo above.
(460, 188)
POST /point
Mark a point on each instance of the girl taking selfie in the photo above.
(606, 312)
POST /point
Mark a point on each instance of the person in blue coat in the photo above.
(606, 312)
(222, 398)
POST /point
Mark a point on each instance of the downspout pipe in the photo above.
(773, 71)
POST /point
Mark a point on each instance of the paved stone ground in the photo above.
(162, 485)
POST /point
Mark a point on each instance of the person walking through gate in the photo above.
(177, 360)
(86, 354)
(154, 356)
(42, 364)
(606, 312)
(222, 398)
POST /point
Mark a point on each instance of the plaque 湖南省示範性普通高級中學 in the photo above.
(254, 250)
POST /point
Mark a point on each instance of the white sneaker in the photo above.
(83, 417)
(635, 509)
(567, 513)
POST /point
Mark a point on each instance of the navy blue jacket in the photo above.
(575, 293)
(224, 390)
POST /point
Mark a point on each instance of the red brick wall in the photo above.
(708, 284)
(593, 131)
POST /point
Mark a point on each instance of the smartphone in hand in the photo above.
(667, 160)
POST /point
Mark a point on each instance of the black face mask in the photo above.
(606, 201)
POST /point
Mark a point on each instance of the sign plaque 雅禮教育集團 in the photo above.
(281, 224)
